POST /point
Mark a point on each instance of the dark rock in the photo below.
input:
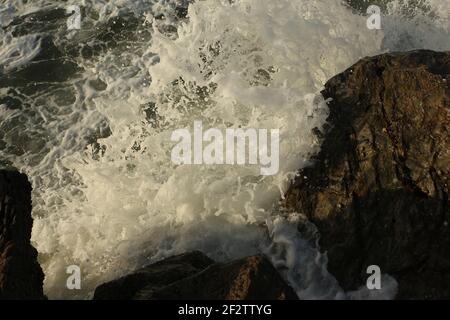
(379, 189)
(158, 275)
(251, 278)
(21, 277)
(195, 276)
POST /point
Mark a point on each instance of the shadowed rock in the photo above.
(158, 275)
(21, 277)
(195, 276)
(379, 189)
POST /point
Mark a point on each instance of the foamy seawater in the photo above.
(88, 115)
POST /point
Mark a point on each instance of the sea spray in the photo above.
(96, 145)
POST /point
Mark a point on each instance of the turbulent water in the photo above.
(88, 115)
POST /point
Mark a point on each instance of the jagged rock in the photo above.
(251, 278)
(379, 189)
(21, 277)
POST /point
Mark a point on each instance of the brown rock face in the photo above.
(178, 278)
(379, 189)
(21, 277)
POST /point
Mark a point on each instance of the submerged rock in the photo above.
(21, 277)
(195, 276)
(379, 189)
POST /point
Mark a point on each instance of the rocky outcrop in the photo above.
(21, 277)
(379, 189)
(195, 276)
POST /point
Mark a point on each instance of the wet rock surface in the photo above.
(21, 277)
(195, 276)
(379, 189)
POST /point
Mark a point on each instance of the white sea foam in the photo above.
(252, 63)
(16, 52)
